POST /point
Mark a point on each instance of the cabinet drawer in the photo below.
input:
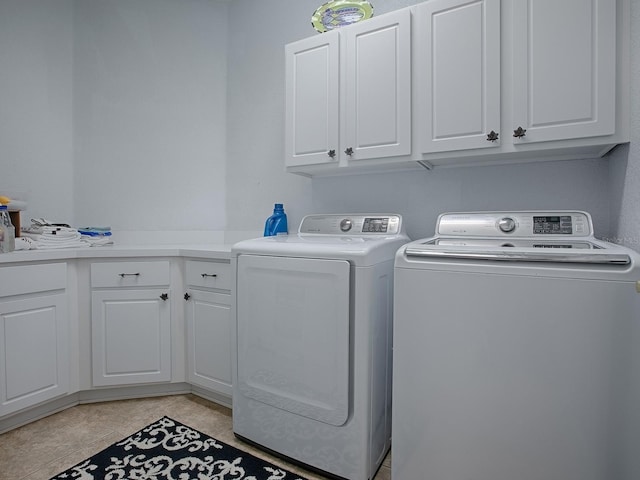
(208, 274)
(130, 274)
(33, 278)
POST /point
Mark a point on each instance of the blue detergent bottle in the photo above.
(276, 224)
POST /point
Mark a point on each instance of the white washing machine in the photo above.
(313, 316)
(516, 351)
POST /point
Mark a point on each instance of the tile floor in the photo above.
(49, 446)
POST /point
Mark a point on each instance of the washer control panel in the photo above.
(516, 224)
(374, 224)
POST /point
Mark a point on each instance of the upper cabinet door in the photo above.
(377, 101)
(312, 89)
(458, 74)
(564, 66)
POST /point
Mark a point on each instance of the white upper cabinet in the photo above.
(564, 69)
(496, 79)
(312, 118)
(461, 82)
(457, 58)
(377, 103)
(348, 94)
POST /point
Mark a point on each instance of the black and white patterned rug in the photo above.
(169, 450)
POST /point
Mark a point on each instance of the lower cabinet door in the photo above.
(209, 341)
(131, 332)
(34, 351)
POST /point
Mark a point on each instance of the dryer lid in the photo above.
(323, 236)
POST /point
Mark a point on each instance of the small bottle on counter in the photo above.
(7, 232)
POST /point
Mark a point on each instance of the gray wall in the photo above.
(421, 196)
(36, 121)
(169, 114)
(256, 178)
(150, 114)
(625, 161)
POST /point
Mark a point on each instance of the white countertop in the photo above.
(217, 251)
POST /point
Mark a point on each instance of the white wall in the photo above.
(256, 178)
(150, 114)
(36, 129)
(114, 112)
(422, 195)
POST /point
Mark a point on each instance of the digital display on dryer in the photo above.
(555, 225)
(375, 225)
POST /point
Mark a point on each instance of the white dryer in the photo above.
(516, 351)
(313, 324)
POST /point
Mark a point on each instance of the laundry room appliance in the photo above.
(312, 369)
(516, 351)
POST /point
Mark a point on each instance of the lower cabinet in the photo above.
(133, 337)
(130, 323)
(34, 335)
(208, 322)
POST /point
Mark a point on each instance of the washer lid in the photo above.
(546, 237)
(559, 243)
(510, 254)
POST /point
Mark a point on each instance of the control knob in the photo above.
(507, 224)
(346, 224)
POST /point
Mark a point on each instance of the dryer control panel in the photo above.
(516, 224)
(373, 224)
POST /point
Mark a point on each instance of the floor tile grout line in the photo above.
(60, 458)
